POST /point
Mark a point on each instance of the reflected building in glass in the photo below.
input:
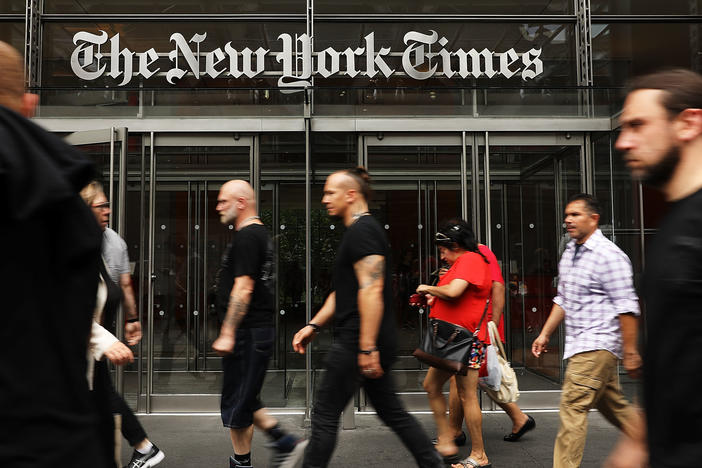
(495, 111)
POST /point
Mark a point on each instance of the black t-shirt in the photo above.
(672, 290)
(363, 238)
(249, 254)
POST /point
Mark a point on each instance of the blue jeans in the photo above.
(341, 379)
(244, 371)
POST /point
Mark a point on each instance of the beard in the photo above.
(660, 173)
(229, 216)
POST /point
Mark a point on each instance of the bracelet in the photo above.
(368, 351)
(132, 320)
(315, 326)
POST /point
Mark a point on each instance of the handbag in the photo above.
(508, 391)
(448, 346)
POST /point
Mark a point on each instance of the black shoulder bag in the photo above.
(447, 346)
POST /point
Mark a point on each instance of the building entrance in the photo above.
(510, 187)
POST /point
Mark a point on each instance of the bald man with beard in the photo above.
(245, 301)
(48, 276)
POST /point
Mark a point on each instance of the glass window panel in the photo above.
(461, 7)
(334, 151)
(12, 32)
(414, 158)
(646, 7)
(622, 50)
(141, 36)
(12, 6)
(174, 6)
(603, 180)
(282, 153)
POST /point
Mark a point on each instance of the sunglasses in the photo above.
(441, 238)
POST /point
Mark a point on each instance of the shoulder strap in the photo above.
(480, 324)
(495, 339)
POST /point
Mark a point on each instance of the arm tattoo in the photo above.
(369, 270)
(235, 312)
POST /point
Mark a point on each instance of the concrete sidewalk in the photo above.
(201, 441)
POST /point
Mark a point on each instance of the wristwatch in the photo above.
(368, 351)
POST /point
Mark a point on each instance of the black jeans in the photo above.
(340, 381)
(132, 430)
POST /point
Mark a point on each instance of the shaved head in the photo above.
(237, 189)
(344, 181)
(11, 77)
(236, 200)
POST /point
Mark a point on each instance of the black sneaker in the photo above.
(287, 451)
(233, 463)
(144, 460)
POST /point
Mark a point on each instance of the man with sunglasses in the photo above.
(365, 332)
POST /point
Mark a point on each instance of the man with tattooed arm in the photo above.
(364, 327)
(245, 306)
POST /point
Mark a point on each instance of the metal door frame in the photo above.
(560, 139)
(182, 402)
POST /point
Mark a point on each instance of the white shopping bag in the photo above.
(494, 377)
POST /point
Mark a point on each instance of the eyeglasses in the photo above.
(102, 206)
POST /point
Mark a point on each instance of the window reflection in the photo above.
(175, 6)
(12, 6)
(624, 50)
(646, 7)
(460, 7)
(13, 34)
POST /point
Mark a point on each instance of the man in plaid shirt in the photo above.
(597, 300)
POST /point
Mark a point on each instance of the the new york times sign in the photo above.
(424, 57)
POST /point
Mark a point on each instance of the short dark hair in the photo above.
(682, 88)
(590, 202)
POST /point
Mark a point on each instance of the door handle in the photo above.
(153, 276)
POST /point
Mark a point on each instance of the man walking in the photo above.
(661, 141)
(597, 300)
(245, 306)
(365, 336)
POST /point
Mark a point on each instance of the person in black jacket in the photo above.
(48, 284)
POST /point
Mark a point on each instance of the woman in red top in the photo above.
(459, 298)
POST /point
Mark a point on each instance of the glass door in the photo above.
(187, 242)
(411, 204)
(530, 178)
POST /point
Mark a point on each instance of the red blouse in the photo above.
(468, 308)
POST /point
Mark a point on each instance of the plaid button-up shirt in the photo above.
(595, 286)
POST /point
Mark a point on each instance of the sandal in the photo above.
(471, 463)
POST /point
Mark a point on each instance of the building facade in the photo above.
(491, 110)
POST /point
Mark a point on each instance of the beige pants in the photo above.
(591, 381)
